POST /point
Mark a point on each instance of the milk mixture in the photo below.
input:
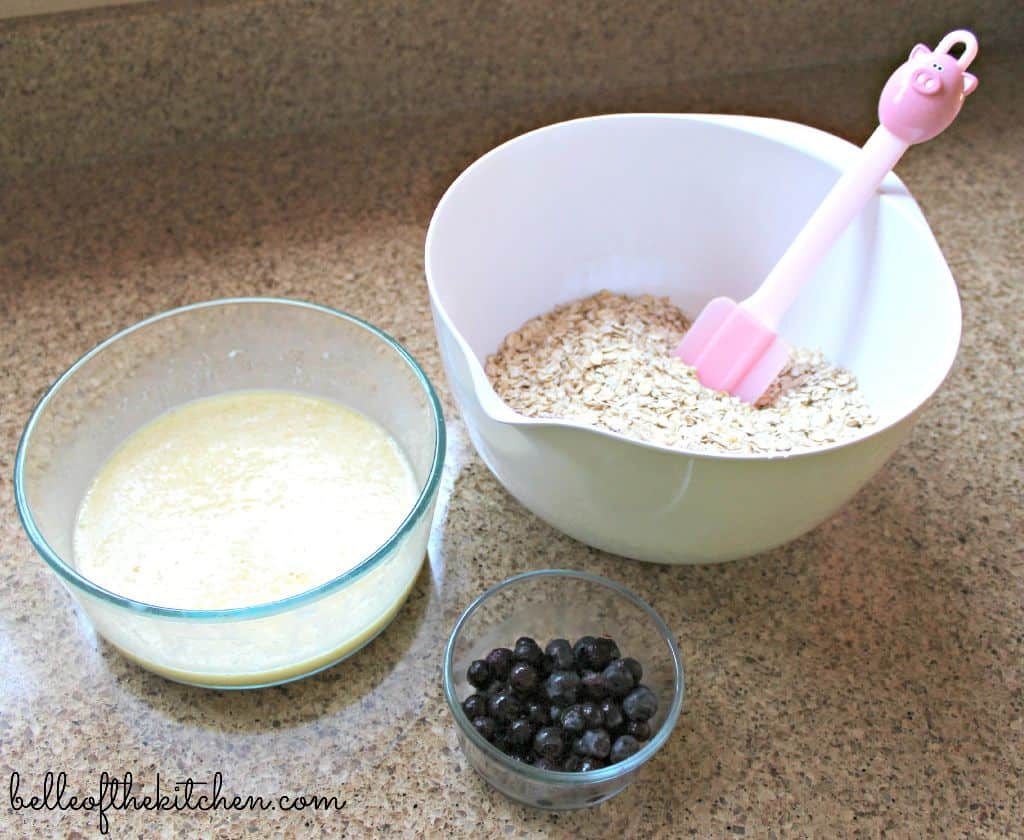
(241, 499)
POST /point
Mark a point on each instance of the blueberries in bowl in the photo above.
(548, 743)
(614, 719)
(523, 678)
(623, 748)
(595, 743)
(475, 706)
(503, 707)
(639, 729)
(500, 661)
(562, 687)
(479, 674)
(559, 655)
(617, 678)
(640, 704)
(569, 707)
(594, 685)
(572, 721)
(592, 715)
(527, 650)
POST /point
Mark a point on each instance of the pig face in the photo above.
(924, 95)
(933, 74)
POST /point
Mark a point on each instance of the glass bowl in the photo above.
(549, 604)
(199, 351)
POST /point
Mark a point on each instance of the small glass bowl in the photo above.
(199, 351)
(559, 603)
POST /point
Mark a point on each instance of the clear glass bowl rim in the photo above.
(559, 777)
(416, 513)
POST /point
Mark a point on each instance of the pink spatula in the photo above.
(735, 346)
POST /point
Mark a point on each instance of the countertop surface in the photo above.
(864, 679)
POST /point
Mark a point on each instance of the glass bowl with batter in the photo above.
(238, 493)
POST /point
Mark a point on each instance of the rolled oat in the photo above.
(606, 361)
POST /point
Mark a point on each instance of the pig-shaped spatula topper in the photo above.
(924, 95)
(735, 347)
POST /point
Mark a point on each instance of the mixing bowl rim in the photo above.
(415, 515)
(815, 143)
(559, 777)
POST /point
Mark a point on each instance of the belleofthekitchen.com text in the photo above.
(122, 793)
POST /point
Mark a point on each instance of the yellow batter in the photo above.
(241, 499)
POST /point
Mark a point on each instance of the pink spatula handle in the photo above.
(846, 199)
(919, 101)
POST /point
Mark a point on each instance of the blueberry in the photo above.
(623, 748)
(527, 650)
(536, 713)
(555, 714)
(594, 685)
(523, 678)
(499, 660)
(562, 687)
(640, 704)
(572, 763)
(559, 654)
(573, 722)
(495, 688)
(594, 654)
(588, 764)
(503, 706)
(475, 706)
(639, 729)
(578, 651)
(542, 763)
(479, 674)
(592, 715)
(520, 732)
(548, 742)
(618, 678)
(594, 742)
(544, 667)
(636, 668)
(614, 720)
(607, 651)
(485, 726)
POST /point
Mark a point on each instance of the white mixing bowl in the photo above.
(688, 206)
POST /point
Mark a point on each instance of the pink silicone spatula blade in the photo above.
(734, 346)
(733, 351)
(703, 330)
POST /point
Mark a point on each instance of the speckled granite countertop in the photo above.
(863, 680)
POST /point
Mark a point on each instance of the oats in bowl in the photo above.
(606, 360)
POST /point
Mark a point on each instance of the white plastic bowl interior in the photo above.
(688, 206)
